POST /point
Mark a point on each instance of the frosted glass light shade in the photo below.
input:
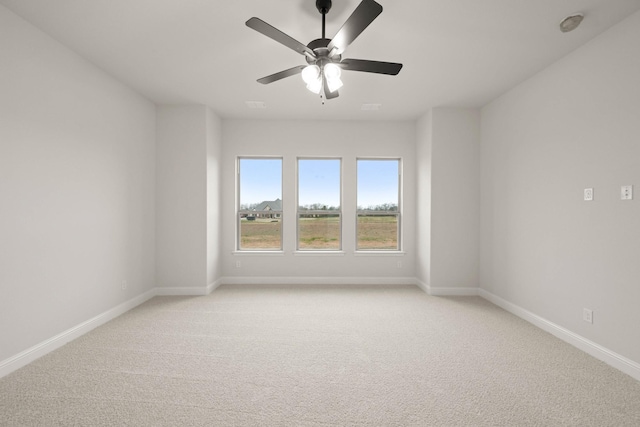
(334, 84)
(315, 85)
(332, 71)
(310, 74)
(332, 74)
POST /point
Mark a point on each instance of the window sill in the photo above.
(261, 253)
(318, 253)
(379, 253)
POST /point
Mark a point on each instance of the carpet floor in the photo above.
(318, 356)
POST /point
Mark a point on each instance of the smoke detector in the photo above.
(570, 23)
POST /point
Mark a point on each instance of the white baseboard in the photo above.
(189, 291)
(261, 280)
(619, 362)
(419, 283)
(182, 291)
(445, 292)
(213, 286)
(29, 355)
(452, 292)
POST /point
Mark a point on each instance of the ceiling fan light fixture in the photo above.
(311, 74)
(315, 86)
(334, 84)
(324, 55)
(332, 73)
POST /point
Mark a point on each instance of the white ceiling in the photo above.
(461, 53)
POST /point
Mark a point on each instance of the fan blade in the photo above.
(273, 33)
(281, 75)
(325, 88)
(360, 19)
(392, 68)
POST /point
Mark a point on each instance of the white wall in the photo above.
(455, 198)
(423, 199)
(187, 193)
(573, 126)
(214, 198)
(448, 158)
(76, 189)
(292, 139)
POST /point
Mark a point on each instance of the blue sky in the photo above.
(319, 181)
(377, 182)
(260, 180)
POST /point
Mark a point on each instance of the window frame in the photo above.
(247, 212)
(368, 212)
(300, 212)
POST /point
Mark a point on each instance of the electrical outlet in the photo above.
(588, 194)
(238, 264)
(626, 192)
(124, 285)
(399, 264)
(587, 315)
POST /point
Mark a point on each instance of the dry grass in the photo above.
(261, 234)
(378, 232)
(319, 233)
(374, 232)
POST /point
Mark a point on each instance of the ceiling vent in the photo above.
(256, 105)
(371, 107)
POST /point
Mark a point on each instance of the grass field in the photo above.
(261, 234)
(374, 232)
(319, 233)
(378, 232)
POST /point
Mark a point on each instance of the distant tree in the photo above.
(248, 206)
(318, 207)
(388, 207)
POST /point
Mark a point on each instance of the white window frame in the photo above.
(247, 212)
(367, 212)
(300, 212)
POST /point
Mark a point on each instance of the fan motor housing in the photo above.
(319, 47)
(319, 44)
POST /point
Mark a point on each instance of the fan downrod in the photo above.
(323, 7)
(319, 46)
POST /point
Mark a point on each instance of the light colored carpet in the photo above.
(306, 356)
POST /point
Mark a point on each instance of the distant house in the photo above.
(275, 205)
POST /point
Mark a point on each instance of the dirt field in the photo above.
(374, 232)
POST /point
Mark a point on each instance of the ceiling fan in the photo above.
(323, 55)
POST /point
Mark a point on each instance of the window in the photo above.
(259, 204)
(378, 197)
(319, 214)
